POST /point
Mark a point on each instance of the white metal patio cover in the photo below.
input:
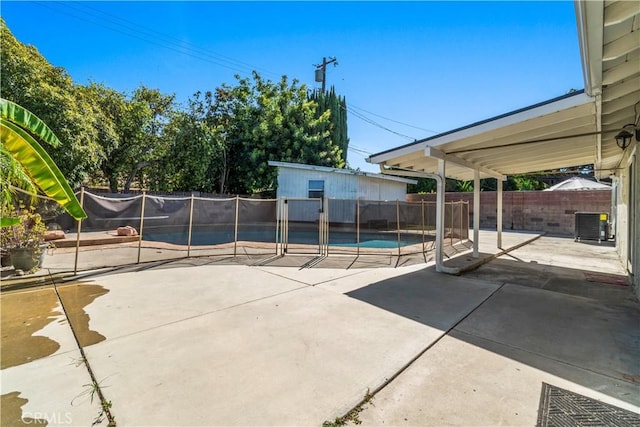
(574, 129)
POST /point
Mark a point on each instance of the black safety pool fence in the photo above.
(188, 226)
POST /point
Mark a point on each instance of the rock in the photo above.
(53, 235)
(127, 231)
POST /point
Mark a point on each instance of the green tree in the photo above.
(109, 108)
(47, 91)
(337, 106)
(142, 142)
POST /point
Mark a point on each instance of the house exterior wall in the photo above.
(549, 211)
(628, 214)
(635, 238)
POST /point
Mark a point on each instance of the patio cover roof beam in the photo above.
(533, 141)
(437, 154)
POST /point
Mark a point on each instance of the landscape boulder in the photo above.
(53, 235)
(127, 231)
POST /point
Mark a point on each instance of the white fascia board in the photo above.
(482, 127)
(401, 172)
(590, 19)
(543, 110)
(388, 178)
(432, 152)
(392, 154)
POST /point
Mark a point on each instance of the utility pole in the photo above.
(321, 71)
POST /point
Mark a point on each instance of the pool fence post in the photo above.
(285, 226)
(320, 218)
(75, 264)
(144, 198)
(235, 230)
(398, 223)
(460, 231)
(357, 227)
(190, 226)
(278, 215)
(422, 225)
(451, 230)
(326, 238)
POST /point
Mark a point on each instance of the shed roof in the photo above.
(341, 171)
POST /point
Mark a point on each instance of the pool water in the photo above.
(337, 238)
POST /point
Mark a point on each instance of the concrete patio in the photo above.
(216, 341)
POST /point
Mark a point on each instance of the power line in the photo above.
(374, 123)
(134, 30)
(391, 120)
(151, 36)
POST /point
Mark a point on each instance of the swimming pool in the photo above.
(379, 240)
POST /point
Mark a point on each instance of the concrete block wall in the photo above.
(550, 211)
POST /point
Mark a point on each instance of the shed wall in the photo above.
(375, 189)
(294, 183)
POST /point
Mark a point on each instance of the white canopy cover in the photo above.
(578, 184)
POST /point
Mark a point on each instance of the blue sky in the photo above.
(432, 65)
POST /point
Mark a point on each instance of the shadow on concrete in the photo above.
(548, 317)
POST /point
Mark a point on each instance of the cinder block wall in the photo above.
(550, 211)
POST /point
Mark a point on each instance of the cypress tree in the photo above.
(338, 118)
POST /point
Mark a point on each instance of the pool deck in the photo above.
(232, 341)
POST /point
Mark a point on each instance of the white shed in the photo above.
(297, 180)
(342, 187)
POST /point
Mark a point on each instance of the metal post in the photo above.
(320, 229)
(440, 214)
(476, 213)
(326, 237)
(285, 227)
(75, 264)
(357, 227)
(144, 198)
(461, 222)
(499, 212)
(398, 223)
(422, 222)
(190, 226)
(235, 232)
(451, 229)
(278, 217)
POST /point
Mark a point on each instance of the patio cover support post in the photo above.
(476, 213)
(440, 187)
(499, 212)
(440, 180)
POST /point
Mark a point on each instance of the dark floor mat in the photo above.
(559, 407)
